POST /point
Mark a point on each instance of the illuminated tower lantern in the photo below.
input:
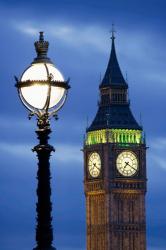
(115, 169)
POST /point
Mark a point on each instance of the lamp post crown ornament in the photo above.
(41, 47)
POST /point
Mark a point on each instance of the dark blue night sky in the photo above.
(78, 32)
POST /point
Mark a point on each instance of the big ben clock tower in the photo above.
(115, 169)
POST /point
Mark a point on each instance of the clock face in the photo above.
(127, 163)
(94, 164)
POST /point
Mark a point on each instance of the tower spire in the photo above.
(113, 75)
(114, 106)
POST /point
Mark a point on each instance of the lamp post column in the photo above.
(44, 231)
(43, 91)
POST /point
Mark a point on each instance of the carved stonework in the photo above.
(96, 186)
(115, 206)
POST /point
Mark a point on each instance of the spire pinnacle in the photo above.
(113, 31)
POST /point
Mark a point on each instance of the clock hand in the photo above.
(133, 168)
(127, 164)
(94, 164)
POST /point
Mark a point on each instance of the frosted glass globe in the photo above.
(35, 92)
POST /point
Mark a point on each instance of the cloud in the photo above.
(157, 154)
(17, 123)
(17, 150)
(158, 143)
(65, 153)
(73, 35)
(29, 30)
(92, 35)
(159, 160)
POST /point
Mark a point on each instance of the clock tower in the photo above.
(115, 169)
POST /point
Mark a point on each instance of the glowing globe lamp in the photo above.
(42, 87)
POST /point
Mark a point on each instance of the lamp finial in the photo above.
(41, 37)
(41, 47)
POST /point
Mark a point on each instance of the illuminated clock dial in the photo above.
(127, 163)
(94, 164)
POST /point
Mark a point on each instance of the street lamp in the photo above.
(43, 91)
